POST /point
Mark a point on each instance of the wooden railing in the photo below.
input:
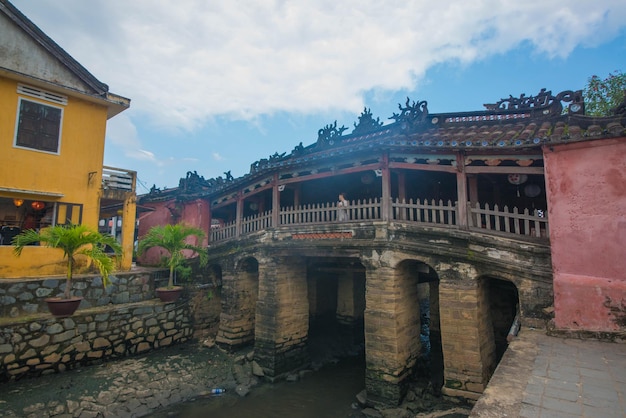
(257, 222)
(508, 221)
(440, 213)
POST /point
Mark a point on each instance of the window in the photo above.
(38, 126)
(18, 214)
(69, 213)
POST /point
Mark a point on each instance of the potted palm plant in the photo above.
(173, 239)
(73, 240)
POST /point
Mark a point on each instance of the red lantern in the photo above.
(37, 205)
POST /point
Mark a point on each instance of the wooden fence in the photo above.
(440, 213)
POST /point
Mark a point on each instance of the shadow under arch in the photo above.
(336, 297)
(504, 309)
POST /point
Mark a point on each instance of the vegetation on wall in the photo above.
(603, 96)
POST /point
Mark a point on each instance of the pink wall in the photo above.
(195, 213)
(586, 189)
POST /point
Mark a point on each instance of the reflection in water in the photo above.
(329, 392)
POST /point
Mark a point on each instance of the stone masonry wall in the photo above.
(282, 322)
(45, 344)
(20, 297)
(123, 319)
(467, 341)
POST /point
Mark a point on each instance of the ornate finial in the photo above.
(412, 114)
(193, 181)
(329, 134)
(366, 123)
(543, 99)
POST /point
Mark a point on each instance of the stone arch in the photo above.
(239, 298)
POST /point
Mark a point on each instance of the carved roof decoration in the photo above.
(512, 125)
(366, 123)
(330, 134)
(412, 116)
(544, 99)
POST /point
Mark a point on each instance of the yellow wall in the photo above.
(81, 152)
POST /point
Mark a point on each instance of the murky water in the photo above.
(329, 392)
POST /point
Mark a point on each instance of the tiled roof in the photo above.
(510, 126)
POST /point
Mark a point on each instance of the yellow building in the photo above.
(53, 116)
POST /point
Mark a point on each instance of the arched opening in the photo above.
(336, 293)
(503, 308)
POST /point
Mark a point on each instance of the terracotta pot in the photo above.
(169, 294)
(62, 308)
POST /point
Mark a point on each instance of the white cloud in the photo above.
(217, 157)
(185, 63)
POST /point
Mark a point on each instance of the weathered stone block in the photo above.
(40, 341)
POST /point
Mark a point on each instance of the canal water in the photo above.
(329, 392)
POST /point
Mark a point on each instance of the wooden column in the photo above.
(386, 188)
(461, 191)
(275, 202)
(239, 215)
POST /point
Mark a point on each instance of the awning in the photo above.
(12, 191)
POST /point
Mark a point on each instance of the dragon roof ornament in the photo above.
(366, 123)
(543, 99)
(330, 134)
(411, 115)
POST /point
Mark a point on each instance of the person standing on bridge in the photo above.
(342, 212)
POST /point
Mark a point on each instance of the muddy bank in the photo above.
(138, 386)
(129, 387)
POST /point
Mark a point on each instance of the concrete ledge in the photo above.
(504, 393)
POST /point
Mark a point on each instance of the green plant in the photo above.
(603, 95)
(73, 240)
(173, 239)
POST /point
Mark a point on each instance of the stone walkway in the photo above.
(549, 377)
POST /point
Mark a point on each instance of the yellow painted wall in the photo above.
(81, 152)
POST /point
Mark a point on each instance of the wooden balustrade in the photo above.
(440, 213)
(508, 221)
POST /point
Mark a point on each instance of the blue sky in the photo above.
(215, 86)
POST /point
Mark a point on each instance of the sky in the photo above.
(217, 85)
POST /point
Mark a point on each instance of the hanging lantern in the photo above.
(517, 179)
(18, 202)
(37, 205)
(532, 190)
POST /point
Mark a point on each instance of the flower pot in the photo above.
(62, 308)
(169, 294)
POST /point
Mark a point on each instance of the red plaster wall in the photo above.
(195, 213)
(586, 190)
